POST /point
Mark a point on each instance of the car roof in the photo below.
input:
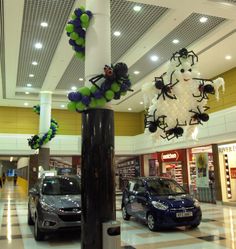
(61, 176)
(149, 178)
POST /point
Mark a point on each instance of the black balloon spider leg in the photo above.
(177, 131)
(204, 90)
(159, 122)
(199, 116)
(184, 54)
(95, 79)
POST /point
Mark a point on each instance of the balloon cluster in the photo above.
(76, 30)
(176, 101)
(115, 83)
(36, 142)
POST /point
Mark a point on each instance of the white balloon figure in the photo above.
(177, 100)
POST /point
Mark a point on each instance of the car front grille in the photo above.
(183, 219)
(181, 209)
(70, 217)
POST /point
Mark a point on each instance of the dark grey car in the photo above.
(54, 203)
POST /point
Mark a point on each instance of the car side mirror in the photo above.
(34, 192)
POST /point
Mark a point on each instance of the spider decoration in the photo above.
(199, 116)
(184, 54)
(155, 123)
(204, 89)
(177, 131)
(165, 88)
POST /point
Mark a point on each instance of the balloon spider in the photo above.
(184, 54)
(199, 116)
(155, 123)
(177, 131)
(204, 90)
(165, 88)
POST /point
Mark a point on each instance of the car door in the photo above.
(33, 198)
(129, 196)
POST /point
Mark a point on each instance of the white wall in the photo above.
(23, 162)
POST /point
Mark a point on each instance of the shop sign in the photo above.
(227, 148)
(233, 173)
(169, 156)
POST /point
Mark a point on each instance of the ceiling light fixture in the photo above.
(203, 19)
(129, 109)
(141, 102)
(136, 72)
(228, 57)
(175, 41)
(29, 85)
(137, 8)
(26, 104)
(62, 106)
(81, 79)
(26, 92)
(38, 45)
(11, 158)
(31, 75)
(35, 63)
(117, 33)
(154, 58)
(44, 24)
(73, 88)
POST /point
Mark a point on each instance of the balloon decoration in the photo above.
(113, 84)
(176, 101)
(36, 142)
(76, 30)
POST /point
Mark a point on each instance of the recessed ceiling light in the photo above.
(129, 109)
(175, 41)
(81, 79)
(136, 72)
(35, 63)
(73, 88)
(38, 45)
(117, 33)
(44, 24)
(154, 58)
(29, 85)
(228, 57)
(203, 19)
(31, 75)
(62, 106)
(137, 8)
(26, 104)
(141, 102)
(26, 92)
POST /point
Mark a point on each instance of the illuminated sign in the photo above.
(227, 148)
(170, 156)
(233, 173)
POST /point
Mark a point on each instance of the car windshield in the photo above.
(164, 187)
(61, 186)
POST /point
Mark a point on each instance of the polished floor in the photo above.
(217, 230)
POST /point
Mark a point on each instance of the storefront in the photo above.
(227, 161)
(201, 173)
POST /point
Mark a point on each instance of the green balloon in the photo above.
(80, 106)
(101, 102)
(69, 27)
(93, 89)
(74, 36)
(71, 106)
(82, 8)
(115, 87)
(93, 103)
(84, 18)
(109, 95)
(85, 25)
(80, 41)
(73, 16)
(79, 55)
(85, 91)
(123, 93)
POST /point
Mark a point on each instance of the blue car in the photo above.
(161, 203)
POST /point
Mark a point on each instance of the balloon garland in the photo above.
(36, 142)
(76, 30)
(176, 100)
(115, 83)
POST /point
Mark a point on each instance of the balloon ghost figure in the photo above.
(176, 100)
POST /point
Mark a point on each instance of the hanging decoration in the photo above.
(113, 84)
(36, 142)
(76, 30)
(176, 101)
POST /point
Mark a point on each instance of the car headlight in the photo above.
(196, 203)
(46, 207)
(159, 205)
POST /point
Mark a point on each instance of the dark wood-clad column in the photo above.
(98, 179)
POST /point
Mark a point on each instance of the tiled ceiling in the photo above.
(144, 33)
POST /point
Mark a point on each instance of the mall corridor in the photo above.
(217, 230)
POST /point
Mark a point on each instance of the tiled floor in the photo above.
(217, 230)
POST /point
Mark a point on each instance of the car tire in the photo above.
(38, 234)
(195, 225)
(125, 215)
(30, 220)
(152, 222)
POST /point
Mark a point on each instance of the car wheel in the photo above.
(195, 225)
(125, 215)
(151, 222)
(38, 234)
(30, 220)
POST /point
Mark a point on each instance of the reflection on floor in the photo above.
(217, 230)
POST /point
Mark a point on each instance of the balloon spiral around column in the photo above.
(36, 142)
